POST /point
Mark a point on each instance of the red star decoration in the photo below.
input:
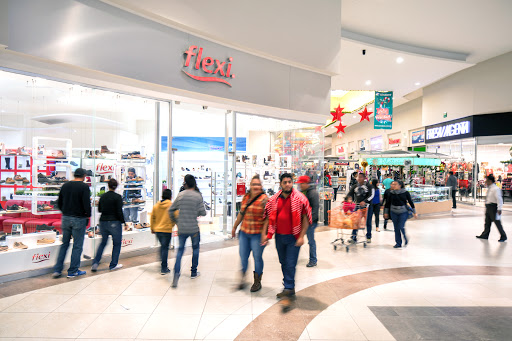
(365, 115)
(340, 128)
(318, 129)
(339, 112)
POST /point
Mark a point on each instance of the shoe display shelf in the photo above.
(10, 167)
(431, 199)
(35, 256)
(131, 241)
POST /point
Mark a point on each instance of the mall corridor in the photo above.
(446, 285)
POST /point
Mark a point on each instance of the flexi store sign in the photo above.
(213, 70)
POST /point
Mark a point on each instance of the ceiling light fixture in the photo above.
(399, 60)
(368, 82)
(417, 83)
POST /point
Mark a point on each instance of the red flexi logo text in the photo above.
(102, 168)
(213, 67)
(38, 258)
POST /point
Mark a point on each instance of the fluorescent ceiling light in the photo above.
(399, 60)
(368, 82)
(417, 83)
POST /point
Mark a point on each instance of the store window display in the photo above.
(48, 129)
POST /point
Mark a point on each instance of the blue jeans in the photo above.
(288, 255)
(131, 214)
(373, 210)
(248, 243)
(71, 226)
(312, 243)
(165, 239)
(195, 237)
(399, 220)
(114, 229)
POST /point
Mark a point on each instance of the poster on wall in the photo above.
(362, 145)
(383, 118)
(418, 136)
(376, 143)
(340, 150)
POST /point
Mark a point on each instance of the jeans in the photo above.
(335, 189)
(490, 216)
(71, 226)
(131, 214)
(364, 216)
(399, 220)
(195, 237)
(288, 255)
(114, 229)
(248, 243)
(165, 239)
(373, 210)
(312, 243)
(454, 201)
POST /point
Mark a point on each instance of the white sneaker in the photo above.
(118, 266)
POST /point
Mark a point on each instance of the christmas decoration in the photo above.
(340, 128)
(339, 112)
(318, 129)
(365, 115)
(364, 164)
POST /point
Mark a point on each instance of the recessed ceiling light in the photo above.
(399, 60)
(354, 116)
(417, 83)
(368, 82)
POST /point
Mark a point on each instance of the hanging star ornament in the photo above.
(365, 115)
(339, 112)
(340, 128)
(318, 129)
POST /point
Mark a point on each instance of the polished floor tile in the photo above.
(61, 325)
(118, 326)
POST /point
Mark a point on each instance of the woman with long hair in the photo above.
(396, 207)
(251, 217)
(190, 206)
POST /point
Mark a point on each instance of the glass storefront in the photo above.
(48, 129)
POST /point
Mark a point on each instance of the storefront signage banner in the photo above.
(418, 136)
(383, 118)
(452, 130)
(213, 69)
(376, 143)
(400, 161)
(206, 144)
(394, 142)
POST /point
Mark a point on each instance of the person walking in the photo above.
(493, 207)
(75, 204)
(362, 193)
(252, 217)
(396, 207)
(373, 209)
(334, 181)
(190, 205)
(288, 216)
(387, 181)
(452, 183)
(385, 199)
(162, 226)
(111, 208)
(314, 202)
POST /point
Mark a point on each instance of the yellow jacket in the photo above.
(160, 220)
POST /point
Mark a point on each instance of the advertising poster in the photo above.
(383, 118)
(418, 136)
(376, 143)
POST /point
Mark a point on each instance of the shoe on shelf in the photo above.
(310, 264)
(94, 267)
(10, 181)
(3, 248)
(502, 240)
(45, 241)
(194, 275)
(20, 245)
(76, 274)
(56, 274)
(18, 177)
(165, 271)
(117, 267)
(480, 237)
(73, 163)
(105, 150)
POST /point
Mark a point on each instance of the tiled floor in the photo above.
(138, 303)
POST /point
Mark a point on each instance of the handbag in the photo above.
(410, 212)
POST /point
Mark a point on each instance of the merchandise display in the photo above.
(431, 199)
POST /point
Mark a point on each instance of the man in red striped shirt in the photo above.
(288, 216)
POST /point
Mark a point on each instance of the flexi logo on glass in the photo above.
(217, 71)
(39, 258)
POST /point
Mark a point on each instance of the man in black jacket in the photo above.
(75, 204)
(363, 194)
(311, 193)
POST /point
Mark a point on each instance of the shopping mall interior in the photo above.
(390, 119)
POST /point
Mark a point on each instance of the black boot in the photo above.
(242, 284)
(257, 282)
(8, 163)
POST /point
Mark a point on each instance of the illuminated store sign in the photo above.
(400, 161)
(215, 70)
(449, 130)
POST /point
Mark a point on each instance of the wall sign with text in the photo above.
(418, 136)
(213, 69)
(394, 141)
(452, 130)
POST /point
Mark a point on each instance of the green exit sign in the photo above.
(445, 115)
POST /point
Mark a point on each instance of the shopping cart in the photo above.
(345, 224)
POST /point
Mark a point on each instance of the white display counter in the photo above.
(132, 240)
